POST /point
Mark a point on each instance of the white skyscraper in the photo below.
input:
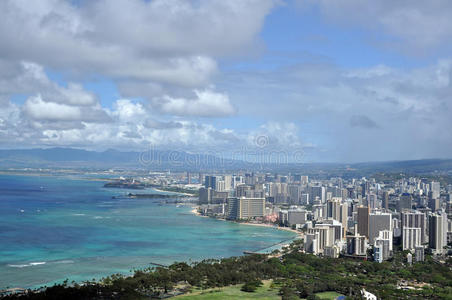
(438, 232)
(411, 238)
(415, 219)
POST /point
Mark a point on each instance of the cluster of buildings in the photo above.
(350, 217)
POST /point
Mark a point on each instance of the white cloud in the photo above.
(38, 109)
(372, 113)
(74, 94)
(276, 135)
(128, 111)
(173, 42)
(206, 104)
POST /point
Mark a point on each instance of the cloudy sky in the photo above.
(341, 81)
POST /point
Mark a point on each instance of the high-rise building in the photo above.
(294, 192)
(205, 195)
(438, 232)
(379, 221)
(449, 207)
(419, 254)
(305, 199)
(435, 188)
(363, 220)
(318, 210)
(336, 225)
(383, 246)
(415, 219)
(220, 185)
(404, 202)
(228, 182)
(343, 217)
(325, 235)
(333, 209)
(210, 182)
(296, 216)
(411, 238)
(245, 208)
(433, 203)
(283, 217)
(385, 202)
(311, 244)
(237, 180)
(372, 201)
(241, 190)
(356, 245)
(317, 191)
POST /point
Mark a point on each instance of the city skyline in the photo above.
(349, 81)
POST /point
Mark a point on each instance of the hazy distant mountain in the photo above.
(68, 157)
(166, 159)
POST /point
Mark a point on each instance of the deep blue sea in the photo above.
(55, 228)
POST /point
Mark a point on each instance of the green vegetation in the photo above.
(328, 295)
(251, 285)
(294, 275)
(267, 292)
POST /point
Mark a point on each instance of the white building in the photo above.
(411, 238)
(438, 232)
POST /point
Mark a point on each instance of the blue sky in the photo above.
(340, 81)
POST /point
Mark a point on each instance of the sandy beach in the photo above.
(270, 225)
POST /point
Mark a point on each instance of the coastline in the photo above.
(268, 225)
(176, 193)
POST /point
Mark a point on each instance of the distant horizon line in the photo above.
(211, 154)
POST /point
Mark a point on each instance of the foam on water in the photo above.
(28, 265)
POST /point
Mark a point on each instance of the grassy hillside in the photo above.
(266, 292)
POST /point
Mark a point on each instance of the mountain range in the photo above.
(184, 161)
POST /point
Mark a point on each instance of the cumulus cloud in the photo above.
(409, 107)
(162, 41)
(206, 104)
(38, 109)
(127, 111)
(150, 123)
(30, 78)
(275, 135)
(48, 105)
(163, 56)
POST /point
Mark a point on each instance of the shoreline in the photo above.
(171, 192)
(268, 225)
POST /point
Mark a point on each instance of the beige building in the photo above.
(245, 208)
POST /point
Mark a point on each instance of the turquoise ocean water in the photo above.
(56, 228)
